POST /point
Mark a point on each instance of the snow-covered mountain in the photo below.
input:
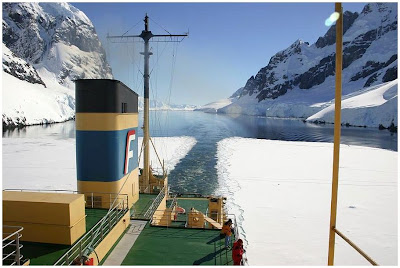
(45, 47)
(213, 107)
(300, 77)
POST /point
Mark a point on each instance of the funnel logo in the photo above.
(129, 153)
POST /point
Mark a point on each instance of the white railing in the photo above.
(159, 218)
(153, 207)
(173, 203)
(11, 245)
(118, 206)
(92, 239)
(165, 218)
(237, 236)
(144, 189)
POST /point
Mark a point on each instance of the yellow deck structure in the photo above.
(55, 218)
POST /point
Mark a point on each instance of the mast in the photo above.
(337, 126)
(147, 36)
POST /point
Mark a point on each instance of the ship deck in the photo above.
(178, 246)
(155, 245)
(48, 254)
(200, 204)
(142, 205)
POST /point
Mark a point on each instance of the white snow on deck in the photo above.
(30, 163)
(281, 193)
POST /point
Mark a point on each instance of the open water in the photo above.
(196, 172)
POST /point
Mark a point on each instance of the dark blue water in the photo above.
(196, 172)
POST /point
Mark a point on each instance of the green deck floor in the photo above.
(41, 253)
(48, 254)
(178, 246)
(94, 216)
(141, 206)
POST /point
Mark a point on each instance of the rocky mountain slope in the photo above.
(301, 76)
(45, 47)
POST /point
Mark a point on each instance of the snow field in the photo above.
(50, 164)
(369, 107)
(39, 164)
(280, 192)
(35, 102)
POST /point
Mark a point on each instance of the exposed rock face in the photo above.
(56, 36)
(20, 68)
(330, 37)
(47, 46)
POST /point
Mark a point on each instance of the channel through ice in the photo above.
(279, 191)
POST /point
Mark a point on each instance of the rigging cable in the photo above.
(158, 56)
(154, 91)
(132, 27)
(160, 26)
(128, 53)
(140, 85)
(168, 99)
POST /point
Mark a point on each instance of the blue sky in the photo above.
(228, 42)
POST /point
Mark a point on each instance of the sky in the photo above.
(227, 43)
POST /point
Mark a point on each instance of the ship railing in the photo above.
(92, 199)
(237, 234)
(144, 189)
(11, 245)
(87, 243)
(154, 205)
(188, 195)
(173, 203)
(170, 218)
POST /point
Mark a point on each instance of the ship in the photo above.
(122, 214)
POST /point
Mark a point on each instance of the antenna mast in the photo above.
(147, 35)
